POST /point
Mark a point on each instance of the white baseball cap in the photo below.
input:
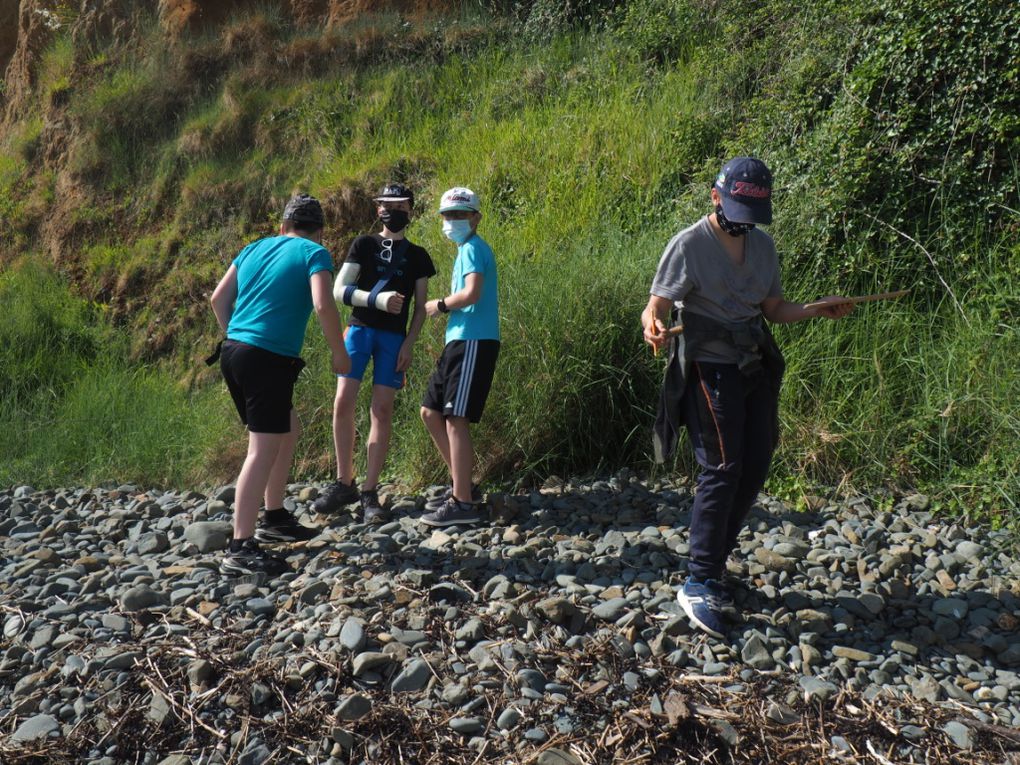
(459, 198)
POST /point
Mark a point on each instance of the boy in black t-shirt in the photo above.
(381, 275)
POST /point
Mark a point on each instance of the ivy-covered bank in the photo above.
(139, 165)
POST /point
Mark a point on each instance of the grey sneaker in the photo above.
(251, 559)
(337, 495)
(453, 513)
(371, 510)
(434, 504)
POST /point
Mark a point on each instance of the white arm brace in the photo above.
(359, 298)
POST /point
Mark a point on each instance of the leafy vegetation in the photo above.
(592, 130)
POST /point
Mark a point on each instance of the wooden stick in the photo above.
(859, 299)
(670, 332)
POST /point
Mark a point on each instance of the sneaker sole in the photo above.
(433, 505)
(228, 569)
(458, 522)
(689, 610)
(274, 538)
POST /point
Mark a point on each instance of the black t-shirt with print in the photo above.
(414, 263)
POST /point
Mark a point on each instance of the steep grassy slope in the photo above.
(592, 136)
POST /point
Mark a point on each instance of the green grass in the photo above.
(74, 410)
(590, 147)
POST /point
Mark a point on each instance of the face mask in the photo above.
(395, 220)
(731, 228)
(458, 231)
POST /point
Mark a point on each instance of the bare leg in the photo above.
(379, 435)
(253, 479)
(343, 426)
(462, 456)
(435, 423)
(276, 487)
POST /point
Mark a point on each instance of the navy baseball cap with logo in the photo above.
(745, 185)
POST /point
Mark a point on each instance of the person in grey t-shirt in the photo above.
(721, 276)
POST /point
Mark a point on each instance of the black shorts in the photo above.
(262, 385)
(460, 383)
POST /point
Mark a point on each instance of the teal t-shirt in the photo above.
(274, 299)
(481, 320)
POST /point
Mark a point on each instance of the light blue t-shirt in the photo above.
(274, 299)
(481, 320)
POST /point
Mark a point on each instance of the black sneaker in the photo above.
(338, 494)
(251, 559)
(453, 513)
(371, 510)
(434, 504)
(284, 529)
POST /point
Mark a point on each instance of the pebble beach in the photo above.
(872, 630)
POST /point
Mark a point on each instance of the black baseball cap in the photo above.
(745, 185)
(395, 192)
(303, 208)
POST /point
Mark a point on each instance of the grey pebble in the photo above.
(466, 725)
(35, 728)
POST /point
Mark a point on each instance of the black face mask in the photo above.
(395, 220)
(731, 228)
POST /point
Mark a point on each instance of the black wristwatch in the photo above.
(442, 306)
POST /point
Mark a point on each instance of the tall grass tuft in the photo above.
(72, 408)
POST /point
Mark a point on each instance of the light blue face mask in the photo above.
(458, 231)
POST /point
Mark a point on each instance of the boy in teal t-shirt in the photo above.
(459, 385)
(262, 303)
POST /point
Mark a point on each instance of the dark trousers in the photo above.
(733, 424)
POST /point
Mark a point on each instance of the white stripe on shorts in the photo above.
(467, 371)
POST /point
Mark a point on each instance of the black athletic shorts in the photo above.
(262, 385)
(460, 383)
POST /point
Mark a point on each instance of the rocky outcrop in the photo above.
(180, 17)
(35, 28)
(100, 23)
(8, 31)
(28, 26)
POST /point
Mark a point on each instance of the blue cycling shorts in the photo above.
(383, 347)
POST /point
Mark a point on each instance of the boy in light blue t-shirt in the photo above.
(459, 385)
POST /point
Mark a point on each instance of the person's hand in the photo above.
(655, 334)
(341, 362)
(394, 302)
(404, 356)
(837, 307)
(432, 308)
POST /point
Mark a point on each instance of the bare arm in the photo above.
(653, 320)
(780, 311)
(223, 297)
(329, 319)
(421, 291)
(470, 294)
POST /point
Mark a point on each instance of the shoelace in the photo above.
(449, 507)
(713, 602)
(712, 598)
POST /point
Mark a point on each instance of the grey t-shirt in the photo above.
(699, 276)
